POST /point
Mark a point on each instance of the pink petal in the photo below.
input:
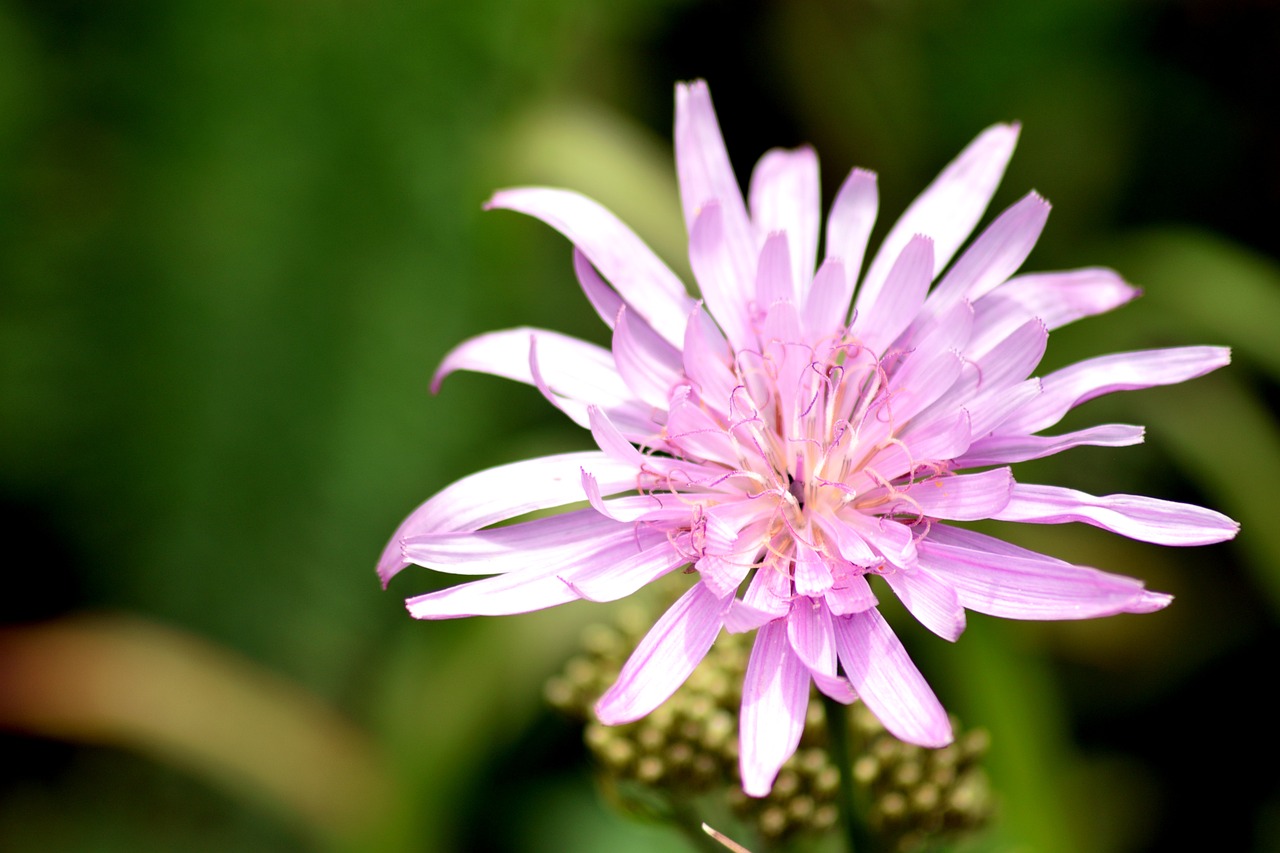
(611, 440)
(770, 588)
(573, 367)
(671, 650)
(850, 594)
(707, 361)
(931, 601)
(643, 280)
(879, 323)
(950, 208)
(1059, 298)
(963, 497)
(507, 491)
(552, 582)
(853, 215)
(775, 278)
(706, 177)
(996, 254)
(726, 288)
(602, 297)
(784, 196)
(993, 577)
(610, 580)
(775, 699)
(812, 575)
(1136, 516)
(1004, 449)
(648, 364)
(888, 682)
(812, 638)
(827, 306)
(1067, 388)
(557, 540)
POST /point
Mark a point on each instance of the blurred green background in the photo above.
(238, 237)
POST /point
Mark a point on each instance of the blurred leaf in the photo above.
(127, 682)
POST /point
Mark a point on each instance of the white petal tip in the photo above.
(1149, 602)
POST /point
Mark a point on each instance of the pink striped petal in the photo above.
(962, 497)
(671, 650)
(1136, 516)
(505, 492)
(724, 288)
(548, 583)
(648, 364)
(993, 577)
(643, 280)
(812, 574)
(931, 601)
(558, 540)
(775, 279)
(1128, 371)
(888, 682)
(997, 253)
(784, 196)
(879, 323)
(615, 579)
(602, 297)
(812, 639)
(572, 367)
(1059, 298)
(775, 699)
(706, 177)
(707, 361)
(850, 594)
(1004, 449)
(949, 208)
(853, 215)
(826, 308)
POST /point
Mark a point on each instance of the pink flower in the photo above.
(790, 440)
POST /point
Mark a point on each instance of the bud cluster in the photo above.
(689, 747)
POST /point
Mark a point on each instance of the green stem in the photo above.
(840, 745)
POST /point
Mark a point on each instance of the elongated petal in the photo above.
(612, 580)
(507, 491)
(706, 176)
(813, 640)
(853, 215)
(963, 497)
(996, 254)
(1071, 386)
(1059, 298)
(995, 578)
(724, 288)
(549, 582)
(879, 323)
(949, 208)
(558, 541)
(602, 297)
(775, 278)
(933, 602)
(572, 367)
(671, 650)
(1004, 449)
(775, 698)
(784, 196)
(648, 364)
(1136, 516)
(826, 308)
(643, 280)
(888, 682)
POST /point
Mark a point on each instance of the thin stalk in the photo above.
(840, 746)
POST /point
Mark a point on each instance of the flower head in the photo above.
(799, 431)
